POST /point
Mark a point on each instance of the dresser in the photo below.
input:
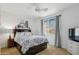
(73, 47)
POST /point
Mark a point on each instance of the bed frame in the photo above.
(32, 50)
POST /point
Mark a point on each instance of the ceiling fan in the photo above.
(38, 7)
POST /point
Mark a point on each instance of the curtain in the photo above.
(41, 27)
(56, 41)
(57, 33)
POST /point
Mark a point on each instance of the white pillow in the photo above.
(28, 33)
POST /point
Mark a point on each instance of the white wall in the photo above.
(69, 19)
(35, 25)
(9, 20)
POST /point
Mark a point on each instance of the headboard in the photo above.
(22, 27)
(21, 30)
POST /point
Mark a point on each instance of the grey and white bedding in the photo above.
(27, 40)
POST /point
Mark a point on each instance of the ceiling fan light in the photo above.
(39, 9)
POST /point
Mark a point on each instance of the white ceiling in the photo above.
(28, 9)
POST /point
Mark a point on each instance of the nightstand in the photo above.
(10, 43)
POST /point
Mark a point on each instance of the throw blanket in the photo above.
(27, 41)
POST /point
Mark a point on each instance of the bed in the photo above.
(32, 49)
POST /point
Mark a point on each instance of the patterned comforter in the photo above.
(27, 41)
